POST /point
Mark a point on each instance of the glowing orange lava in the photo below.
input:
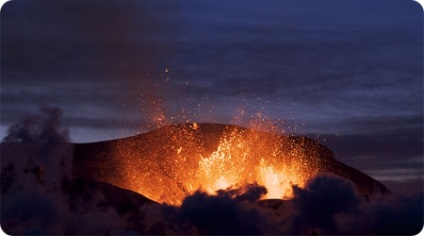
(172, 162)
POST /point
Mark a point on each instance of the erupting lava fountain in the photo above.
(174, 161)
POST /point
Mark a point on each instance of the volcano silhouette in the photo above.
(158, 164)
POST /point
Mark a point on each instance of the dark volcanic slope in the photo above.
(151, 156)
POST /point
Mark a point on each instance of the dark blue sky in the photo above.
(350, 71)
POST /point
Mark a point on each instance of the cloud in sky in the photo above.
(337, 64)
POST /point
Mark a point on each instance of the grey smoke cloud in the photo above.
(40, 195)
(330, 205)
(325, 205)
(221, 214)
(318, 203)
(44, 128)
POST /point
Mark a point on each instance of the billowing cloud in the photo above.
(330, 205)
(221, 214)
(326, 205)
(321, 199)
(40, 195)
(44, 128)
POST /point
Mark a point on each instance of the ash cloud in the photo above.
(44, 128)
(40, 195)
(248, 193)
(318, 203)
(220, 214)
(326, 205)
(39, 146)
(331, 205)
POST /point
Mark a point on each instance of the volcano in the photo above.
(172, 162)
(193, 179)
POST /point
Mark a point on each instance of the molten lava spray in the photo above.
(176, 160)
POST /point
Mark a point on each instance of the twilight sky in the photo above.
(349, 73)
